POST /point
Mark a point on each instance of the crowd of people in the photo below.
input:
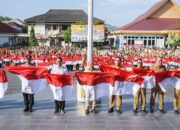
(71, 55)
(57, 59)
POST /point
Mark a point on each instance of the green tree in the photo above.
(80, 23)
(67, 35)
(173, 40)
(32, 38)
(4, 18)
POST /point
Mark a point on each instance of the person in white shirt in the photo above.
(58, 68)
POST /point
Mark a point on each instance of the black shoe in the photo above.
(30, 110)
(135, 111)
(56, 111)
(176, 111)
(144, 111)
(151, 110)
(87, 112)
(118, 111)
(162, 111)
(26, 109)
(110, 111)
(94, 111)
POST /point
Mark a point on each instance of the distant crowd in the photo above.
(75, 58)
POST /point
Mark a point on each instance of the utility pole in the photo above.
(90, 32)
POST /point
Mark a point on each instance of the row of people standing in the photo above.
(60, 105)
(141, 93)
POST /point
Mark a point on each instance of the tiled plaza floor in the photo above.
(43, 117)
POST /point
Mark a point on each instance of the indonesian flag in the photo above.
(125, 82)
(147, 75)
(168, 79)
(95, 84)
(61, 86)
(47, 65)
(32, 78)
(3, 83)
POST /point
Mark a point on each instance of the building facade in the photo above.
(7, 35)
(49, 27)
(151, 28)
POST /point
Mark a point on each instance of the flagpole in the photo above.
(90, 32)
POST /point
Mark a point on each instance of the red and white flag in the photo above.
(168, 79)
(32, 78)
(61, 86)
(147, 75)
(125, 82)
(95, 84)
(3, 83)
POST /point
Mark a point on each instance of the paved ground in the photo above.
(43, 117)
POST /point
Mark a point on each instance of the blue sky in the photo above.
(114, 12)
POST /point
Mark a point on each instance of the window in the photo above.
(145, 42)
(55, 27)
(64, 27)
(48, 27)
(132, 42)
(149, 42)
(129, 42)
(153, 42)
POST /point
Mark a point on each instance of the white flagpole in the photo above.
(90, 32)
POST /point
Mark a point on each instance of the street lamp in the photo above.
(90, 32)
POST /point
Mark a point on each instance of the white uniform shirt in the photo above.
(59, 70)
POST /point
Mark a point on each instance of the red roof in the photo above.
(144, 23)
(151, 10)
(154, 24)
(6, 29)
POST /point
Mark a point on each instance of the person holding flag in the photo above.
(158, 67)
(58, 68)
(118, 98)
(141, 92)
(90, 68)
(28, 98)
(177, 96)
(32, 79)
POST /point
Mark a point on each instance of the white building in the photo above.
(7, 34)
(49, 27)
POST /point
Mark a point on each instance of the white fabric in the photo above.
(168, 82)
(124, 88)
(149, 82)
(59, 70)
(177, 83)
(32, 86)
(95, 92)
(62, 93)
(3, 89)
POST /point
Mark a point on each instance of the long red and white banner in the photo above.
(3, 83)
(125, 82)
(61, 86)
(95, 84)
(147, 75)
(32, 78)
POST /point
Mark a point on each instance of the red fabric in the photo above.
(59, 80)
(122, 75)
(3, 77)
(160, 76)
(143, 72)
(30, 73)
(94, 78)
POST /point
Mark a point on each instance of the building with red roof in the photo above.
(151, 28)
